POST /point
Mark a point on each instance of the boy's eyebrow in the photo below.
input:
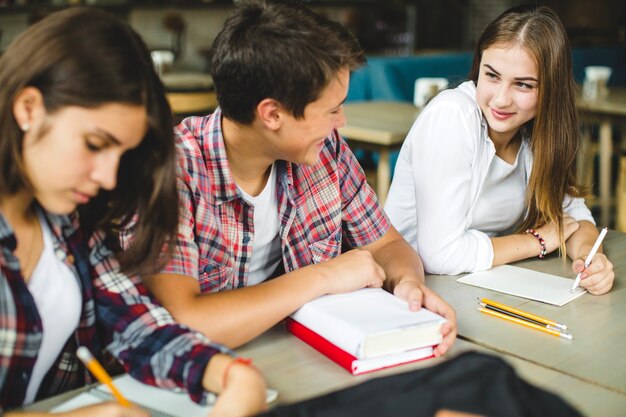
(516, 78)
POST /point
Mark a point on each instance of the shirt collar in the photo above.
(60, 224)
(211, 142)
(223, 186)
(7, 237)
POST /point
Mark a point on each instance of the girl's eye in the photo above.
(491, 75)
(93, 144)
(525, 86)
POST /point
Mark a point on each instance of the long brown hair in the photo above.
(88, 58)
(554, 134)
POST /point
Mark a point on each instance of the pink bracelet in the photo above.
(542, 242)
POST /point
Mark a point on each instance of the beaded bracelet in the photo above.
(243, 361)
(542, 242)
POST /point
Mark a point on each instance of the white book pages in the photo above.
(370, 322)
(361, 366)
(525, 283)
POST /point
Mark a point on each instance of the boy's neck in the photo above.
(249, 163)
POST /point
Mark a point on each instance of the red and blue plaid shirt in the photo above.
(320, 208)
(117, 314)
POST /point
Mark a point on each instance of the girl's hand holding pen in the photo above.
(598, 277)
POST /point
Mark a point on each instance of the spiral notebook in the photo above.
(158, 402)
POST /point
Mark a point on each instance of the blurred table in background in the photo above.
(380, 126)
(605, 113)
(189, 93)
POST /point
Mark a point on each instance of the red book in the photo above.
(348, 361)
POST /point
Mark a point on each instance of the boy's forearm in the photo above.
(235, 317)
(399, 260)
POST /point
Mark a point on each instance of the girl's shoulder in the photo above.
(461, 99)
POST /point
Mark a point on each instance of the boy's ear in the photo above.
(270, 112)
(28, 107)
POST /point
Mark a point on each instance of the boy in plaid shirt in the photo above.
(269, 189)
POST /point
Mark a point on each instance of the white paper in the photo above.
(158, 402)
(525, 283)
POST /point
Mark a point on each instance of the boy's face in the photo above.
(301, 140)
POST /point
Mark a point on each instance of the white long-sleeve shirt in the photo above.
(439, 178)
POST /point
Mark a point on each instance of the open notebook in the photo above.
(525, 283)
(158, 402)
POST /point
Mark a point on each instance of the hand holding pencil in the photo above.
(101, 374)
(594, 271)
(121, 408)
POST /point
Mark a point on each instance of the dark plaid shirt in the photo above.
(117, 314)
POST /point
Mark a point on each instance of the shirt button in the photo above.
(246, 239)
(208, 268)
(60, 254)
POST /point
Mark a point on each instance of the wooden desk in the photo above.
(189, 93)
(299, 372)
(380, 126)
(589, 371)
(605, 113)
(598, 323)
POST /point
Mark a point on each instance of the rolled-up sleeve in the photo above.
(151, 346)
(577, 208)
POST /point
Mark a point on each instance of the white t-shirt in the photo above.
(266, 251)
(441, 170)
(58, 298)
(501, 203)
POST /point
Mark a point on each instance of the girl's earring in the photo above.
(25, 127)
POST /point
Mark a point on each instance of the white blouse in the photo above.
(435, 197)
(59, 301)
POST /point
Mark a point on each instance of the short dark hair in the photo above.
(283, 51)
(88, 58)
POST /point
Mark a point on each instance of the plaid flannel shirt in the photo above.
(117, 314)
(321, 208)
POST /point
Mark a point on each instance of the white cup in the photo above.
(595, 83)
(426, 88)
(162, 60)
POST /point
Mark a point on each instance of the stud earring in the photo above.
(25, 127)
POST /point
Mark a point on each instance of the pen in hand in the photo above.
(592, 253)
(98, 371)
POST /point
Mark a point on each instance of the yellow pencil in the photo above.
(98, 371)
(524, 313)
(526, 323)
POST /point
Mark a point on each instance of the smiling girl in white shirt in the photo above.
(486, 175)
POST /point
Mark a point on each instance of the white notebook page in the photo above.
(525, 283)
